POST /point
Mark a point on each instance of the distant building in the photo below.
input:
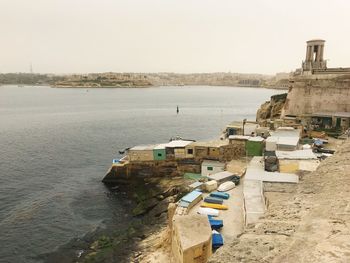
(319, 97)
(314, 55)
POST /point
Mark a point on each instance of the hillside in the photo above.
(309, 222)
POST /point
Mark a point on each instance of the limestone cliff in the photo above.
(271, 109)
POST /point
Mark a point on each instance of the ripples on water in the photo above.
(56, 145)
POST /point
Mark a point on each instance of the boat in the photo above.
(226, 186)
(213, 200)
(215, 223)
(208, 211)
(217, 239)
(220, 195)
(215, 206)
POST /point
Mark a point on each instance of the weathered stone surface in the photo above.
(318, 93)
(271, 109)
(305, 223)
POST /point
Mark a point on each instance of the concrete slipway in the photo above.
(233, 217)
(254, 200)
(255, 171)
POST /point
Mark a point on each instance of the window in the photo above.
(189, 151)
(159, 155)
(209, 168)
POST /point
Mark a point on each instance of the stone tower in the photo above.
(314, 55)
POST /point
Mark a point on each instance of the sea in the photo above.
(56, 145)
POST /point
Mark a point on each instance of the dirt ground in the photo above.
(308, 222)
(156, 247)
(233, 217)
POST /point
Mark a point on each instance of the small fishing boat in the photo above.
(226, 186)
(213, 200)
(215, 206)
(217, 239)
(208, 211)
(215, 223)
(220, 195)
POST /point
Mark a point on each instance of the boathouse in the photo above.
(159, 153)
(336, 122)
(176, 149)
(212, 150)
(211, 167)
(234, 128)
(283, 139)
(141, 153)
(255, 146)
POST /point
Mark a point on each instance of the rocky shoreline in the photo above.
(146, 215)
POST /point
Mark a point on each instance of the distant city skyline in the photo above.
(182, 36)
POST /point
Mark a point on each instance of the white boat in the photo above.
(208, 211)
(226, 186)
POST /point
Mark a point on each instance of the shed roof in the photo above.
(177, 144)
(256, 139)
(221, 175)
(284, 132)
(296, 155)
(235, 124)
(272, 139)
(215, 143)
(293, 141)
(160, 146)
(147, 147)
(238, 137)
(255, 171)
(195, 185)
(190, 197)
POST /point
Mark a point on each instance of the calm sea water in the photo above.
(57, 144)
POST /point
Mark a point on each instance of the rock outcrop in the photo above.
(271, 109)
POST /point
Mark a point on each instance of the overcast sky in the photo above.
(261, 36)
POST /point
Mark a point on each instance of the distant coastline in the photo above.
(144, 80)
(159, 86)
(137, 87)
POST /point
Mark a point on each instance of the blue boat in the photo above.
(220, 195)
(191, 199)
(217, 240)
(216, 223)
(213, 200)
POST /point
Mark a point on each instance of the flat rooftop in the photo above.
(147, 147)
(178, 144)
(192, 230)
(214, 143)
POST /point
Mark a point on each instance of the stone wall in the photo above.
(150, 169)
(318, 94)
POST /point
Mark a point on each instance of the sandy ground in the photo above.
(156, 248)
(232, 217)
(308, 222)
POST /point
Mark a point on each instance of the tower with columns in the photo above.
(314, 55)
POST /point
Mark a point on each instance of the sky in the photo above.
(185, 36)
